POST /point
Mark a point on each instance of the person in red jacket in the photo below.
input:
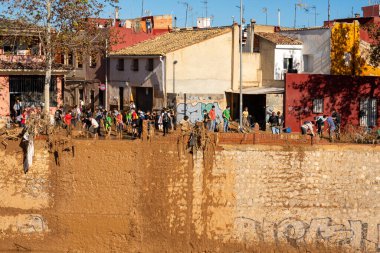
(68, 118)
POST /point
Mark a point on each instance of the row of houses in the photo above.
(300, 72)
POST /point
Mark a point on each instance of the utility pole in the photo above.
(241, 66)
(295, 15)
(106, 103)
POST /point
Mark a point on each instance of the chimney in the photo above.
(116, 13)
(252, 42)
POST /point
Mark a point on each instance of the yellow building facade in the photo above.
(349, 54)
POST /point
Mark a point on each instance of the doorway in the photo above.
(144, 98)
(121, 98)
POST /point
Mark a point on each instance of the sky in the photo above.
(225, 11)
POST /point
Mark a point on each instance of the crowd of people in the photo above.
(100, 122)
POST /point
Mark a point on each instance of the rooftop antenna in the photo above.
(315, 14)
(205, 2)
(299, 4)
(142, 8)
(186, 4)
(328, 12)
(265, 10)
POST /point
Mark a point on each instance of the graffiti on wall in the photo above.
(195, 111)
(301, 234)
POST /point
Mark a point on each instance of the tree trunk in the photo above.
(48, 59)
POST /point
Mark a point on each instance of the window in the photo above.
(308, 63)
(288, 63)
(120, 64)
(150, 65)
(318, 105)
(93, 60)
(368, 112)
(70, 60)
(135, 65)
(79, 61)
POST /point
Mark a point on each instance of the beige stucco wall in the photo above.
(267, 51)
(252, 73)
(204, 68)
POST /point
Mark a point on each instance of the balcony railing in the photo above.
(24, 59)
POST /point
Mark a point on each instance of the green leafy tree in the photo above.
(61, 25)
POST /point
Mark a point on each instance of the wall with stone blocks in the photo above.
(301, 197)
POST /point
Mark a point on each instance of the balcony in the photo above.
(21, 59)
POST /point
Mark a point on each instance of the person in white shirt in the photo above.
(94, 127)
(307, 127)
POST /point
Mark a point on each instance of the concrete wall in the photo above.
(301, 198)
(237, 198)
(316, 45)
(193, 105)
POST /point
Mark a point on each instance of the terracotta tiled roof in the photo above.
(279, 39)
(173, 41)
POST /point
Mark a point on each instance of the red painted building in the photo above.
(356, 98)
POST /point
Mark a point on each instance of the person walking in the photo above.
(165, 121)
(320, 121)
(226, 118)
(68, 118)
(332, 128)
(17, 108)
(274, 123)
(206, 119)
(245, 118)
(23, 118)
(212, 116)
(119, 125)
(337, 121)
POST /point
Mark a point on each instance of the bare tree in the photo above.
(61, 25)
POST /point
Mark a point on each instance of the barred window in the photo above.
(318, 105)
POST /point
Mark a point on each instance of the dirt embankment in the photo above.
(112, 196)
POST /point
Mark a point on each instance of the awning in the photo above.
(260, 90)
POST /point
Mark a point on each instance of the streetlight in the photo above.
(241, 67)
(174, 63)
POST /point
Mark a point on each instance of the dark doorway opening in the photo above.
(256, 106)
(92, 98)
(144, 98)
(121, 98)
(101, 98)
